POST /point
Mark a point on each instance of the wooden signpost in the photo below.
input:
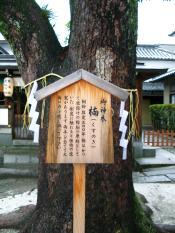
(80, 129)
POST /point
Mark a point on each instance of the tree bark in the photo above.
(102, 41)
(31, 37)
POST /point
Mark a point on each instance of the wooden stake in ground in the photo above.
(79, 178)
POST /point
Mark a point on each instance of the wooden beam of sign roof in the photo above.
(81, 75)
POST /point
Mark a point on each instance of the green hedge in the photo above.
(163, 116)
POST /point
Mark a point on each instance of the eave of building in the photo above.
(8, 61)
(168, 74)
(154, 65)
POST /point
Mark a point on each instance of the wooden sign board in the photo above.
(80, 125)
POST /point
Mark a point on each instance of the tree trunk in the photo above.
(102, 41)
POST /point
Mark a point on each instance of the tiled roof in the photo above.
(3, 51)
(7, 60)
(152, 86)
(154, 52)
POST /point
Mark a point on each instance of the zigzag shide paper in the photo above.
(33, 113)
(123, 129)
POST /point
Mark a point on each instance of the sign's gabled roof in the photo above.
(81, 75)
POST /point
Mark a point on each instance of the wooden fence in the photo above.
(162, 138)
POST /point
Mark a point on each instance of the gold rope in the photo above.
(27, 88)
(43, 77)
(133, 126)
(26, 119)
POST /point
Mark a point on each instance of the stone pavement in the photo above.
(155, 175)
(162, 157)
(157, 184)
(161, 167)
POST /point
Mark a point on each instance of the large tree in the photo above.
(102, 41)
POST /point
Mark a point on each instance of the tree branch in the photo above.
(31, 37)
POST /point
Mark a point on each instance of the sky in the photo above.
(61, 12)
(156, 20)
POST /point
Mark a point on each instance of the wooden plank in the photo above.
(80, 133)
(52, 131)
(171, 137)
(79, 183)
(1, 88)
(84, 75)
(162, 137)
(153, 138)
(158, 138)
(148, 137)
(167, 135)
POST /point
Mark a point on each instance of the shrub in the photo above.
(163, 116)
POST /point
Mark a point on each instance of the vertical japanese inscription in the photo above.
(77, 121)
(73, 113)
(93, 112)
(103, 109)
(97, 114)
(65, 125)
(59, 126)
(71, 125)
(83, 132)
(83, 126)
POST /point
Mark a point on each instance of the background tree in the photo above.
(102, 41)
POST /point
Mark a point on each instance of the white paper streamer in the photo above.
(124, 143)
(122, 106)
(33, 107)
(31, 96)
(36, 134)
(33, 114)
(34, 120)
(123, 129)
(124, 156)
(123, 121)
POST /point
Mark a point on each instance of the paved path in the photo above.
(158, 187)
(155, 175)
(163, 157)
(157, 184)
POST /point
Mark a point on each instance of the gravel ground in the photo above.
(8, 231)
(17, 192)
(13, 186)
(160, 197)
